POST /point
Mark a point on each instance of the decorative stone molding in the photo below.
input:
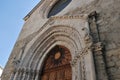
(16, 63)
(80, 55)
(93, 15)
(21, 73)
(87, 37)
(98, 46)
(53, 18)
(17, 59)
(85, 16)
(95, 47)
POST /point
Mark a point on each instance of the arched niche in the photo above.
(57, 64)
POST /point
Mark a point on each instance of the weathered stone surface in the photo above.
(111, 64)
(39, 33)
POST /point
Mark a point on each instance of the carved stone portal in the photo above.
(73, 60)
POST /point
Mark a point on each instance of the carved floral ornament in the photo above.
(95, 47)
(85, 16)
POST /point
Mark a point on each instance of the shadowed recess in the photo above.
(59, 6)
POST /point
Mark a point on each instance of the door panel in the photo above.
(57, 65)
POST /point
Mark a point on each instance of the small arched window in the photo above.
(59, 6)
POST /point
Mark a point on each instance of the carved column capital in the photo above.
(93, 15)
(98, 46)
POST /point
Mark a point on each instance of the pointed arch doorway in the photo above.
(57, 65)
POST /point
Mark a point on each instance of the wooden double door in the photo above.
(57, 65)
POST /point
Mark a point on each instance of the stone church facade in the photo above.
(68, 40)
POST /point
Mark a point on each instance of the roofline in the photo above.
(28, 15)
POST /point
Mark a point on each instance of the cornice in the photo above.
(71, 17)
(65, 17)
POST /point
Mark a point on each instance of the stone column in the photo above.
(28, 75)
(37, 75)
(19, 76)
(24, 75)
(76, 68)
(99, 61)
(16, 74)
(33, 75)
(79, 70)
(73, 63)
(89, 66)
(12, 76)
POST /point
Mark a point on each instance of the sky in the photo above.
(12, 13)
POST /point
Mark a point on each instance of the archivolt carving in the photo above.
(79, 44)
(55, 35)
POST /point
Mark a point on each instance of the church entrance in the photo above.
(57, 65)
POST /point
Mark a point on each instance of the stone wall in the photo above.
(107, 60)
